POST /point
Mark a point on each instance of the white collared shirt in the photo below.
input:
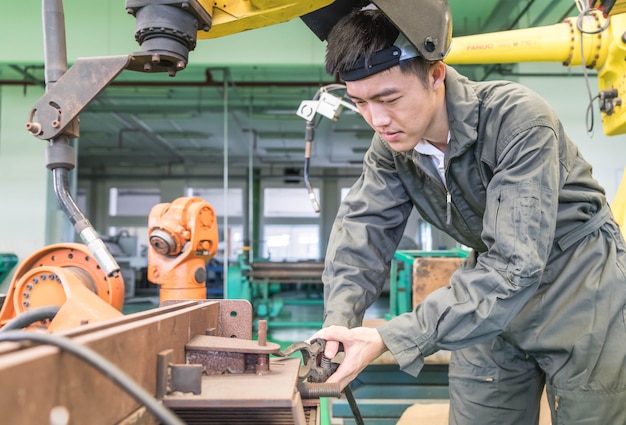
(435, 154)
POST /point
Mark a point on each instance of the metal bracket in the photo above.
(56, 111)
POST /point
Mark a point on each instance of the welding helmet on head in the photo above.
(427, 24)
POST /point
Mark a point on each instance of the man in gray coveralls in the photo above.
(541, 300)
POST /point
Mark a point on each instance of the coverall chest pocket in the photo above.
(517, 244)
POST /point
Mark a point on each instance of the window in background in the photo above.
(233, 206)
(425, 236)
(215, 197)
(344, 192)
(132, 202)
(234, 235)
(288, 202)
(284, 242)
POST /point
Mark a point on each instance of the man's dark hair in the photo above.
(362, 33)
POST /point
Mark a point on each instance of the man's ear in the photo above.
(437, 74)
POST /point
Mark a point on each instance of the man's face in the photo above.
(396, 105)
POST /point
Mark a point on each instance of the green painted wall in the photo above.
(23, 186)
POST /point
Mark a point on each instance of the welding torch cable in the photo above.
(310, 131)
(31, 316)
(101, 364)
(358, 419)
(309, 136)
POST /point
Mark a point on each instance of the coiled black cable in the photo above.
(31, 316)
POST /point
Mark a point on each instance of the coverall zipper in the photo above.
(438, 182)
(448, 207)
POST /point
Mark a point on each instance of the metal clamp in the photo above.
(315, 366)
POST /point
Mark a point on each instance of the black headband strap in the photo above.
(383, 59)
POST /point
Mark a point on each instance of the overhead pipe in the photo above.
(209, 81)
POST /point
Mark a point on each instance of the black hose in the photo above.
(31, 316)
(358, 419)
(101, 364)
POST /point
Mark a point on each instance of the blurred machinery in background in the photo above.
(408, 283)
(273, 286)
(7, 262)
(133, 262)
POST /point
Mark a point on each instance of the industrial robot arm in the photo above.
(183, 238)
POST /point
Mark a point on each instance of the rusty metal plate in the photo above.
(236, 345)
(234, 320)
(430, 274)
(230, 355)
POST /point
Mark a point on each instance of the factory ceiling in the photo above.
(187, 121)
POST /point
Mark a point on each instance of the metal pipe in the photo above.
(55, 52)
(60, 156)
(208, 81)
(81, 224)
(226, 233)
(310, 131)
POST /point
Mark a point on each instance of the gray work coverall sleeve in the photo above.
(368, 227)
(518, 230)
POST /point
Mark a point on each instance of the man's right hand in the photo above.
(361, 346)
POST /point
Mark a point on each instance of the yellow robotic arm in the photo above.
(233, 16)
(592, 40)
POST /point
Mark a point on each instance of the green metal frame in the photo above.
(268, 304)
